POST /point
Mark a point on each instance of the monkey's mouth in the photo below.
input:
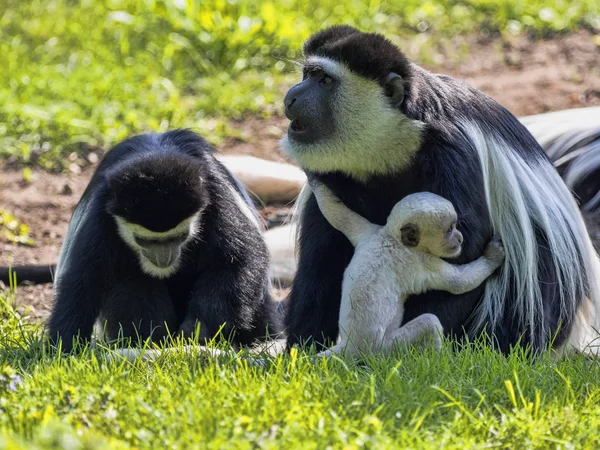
(454, 252)
(306, 130)
(162, 259)
(297, 126)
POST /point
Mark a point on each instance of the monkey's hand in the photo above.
(494, 252)
(190, 326)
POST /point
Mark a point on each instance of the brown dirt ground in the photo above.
(526, 76)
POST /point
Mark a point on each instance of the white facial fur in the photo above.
(371, 138)
(432, 214)
(129, 231)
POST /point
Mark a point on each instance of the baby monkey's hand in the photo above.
(494, 252)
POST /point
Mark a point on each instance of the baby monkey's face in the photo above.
(437, 236)
(446, 241)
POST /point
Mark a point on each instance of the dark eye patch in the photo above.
(315, 71)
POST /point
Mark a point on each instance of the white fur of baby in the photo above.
(394, 261)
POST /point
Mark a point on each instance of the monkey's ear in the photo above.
(394, 88)
(410, 234)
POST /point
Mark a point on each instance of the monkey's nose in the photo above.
(288, 102)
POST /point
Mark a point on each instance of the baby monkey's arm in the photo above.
(458, 279)
(340, 217)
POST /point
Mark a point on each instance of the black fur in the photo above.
(170, 183)
(367, 54)
(157, 180)
(446, 164)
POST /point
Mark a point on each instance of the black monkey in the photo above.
(163, 239)
(374, 128)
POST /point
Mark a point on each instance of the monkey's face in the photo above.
(450, 241)
(156, 201)
(342, 121)
(438, 237)
(159, 253)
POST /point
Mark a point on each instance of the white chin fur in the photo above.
(371, 137)
(128, 231)
(158, 272)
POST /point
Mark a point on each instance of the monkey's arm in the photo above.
(315, 297)
(231, 292)
(224, 301)
(82, 277)
(342, 218)
(458, 279)
(76, 308)
(78, 292)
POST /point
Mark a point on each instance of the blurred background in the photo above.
(78, 76)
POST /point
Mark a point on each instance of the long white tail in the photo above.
(522, 196)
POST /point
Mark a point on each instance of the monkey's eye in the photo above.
(325, 79)
(449, 231)
(318, 74)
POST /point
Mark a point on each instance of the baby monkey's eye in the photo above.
(451, 228)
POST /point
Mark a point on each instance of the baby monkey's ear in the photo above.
(410, 234)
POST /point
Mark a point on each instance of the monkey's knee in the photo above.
(425, 330)
(432, 331)
(432, 323)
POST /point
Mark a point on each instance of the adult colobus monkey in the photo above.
(374, 128)
(163, 240)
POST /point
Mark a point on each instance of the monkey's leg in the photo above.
(225, 302)
(139, 309)
(424, 329)
(335, 350)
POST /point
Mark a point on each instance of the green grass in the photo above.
(77, 75)
(474, 398)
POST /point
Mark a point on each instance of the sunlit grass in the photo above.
(414, 399)
(83, 74)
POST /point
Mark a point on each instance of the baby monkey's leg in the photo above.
(425, 329)
(342, 347)
(335, 350)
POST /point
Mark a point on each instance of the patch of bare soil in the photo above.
(526, 76)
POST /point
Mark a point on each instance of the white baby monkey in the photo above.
(394, 261)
